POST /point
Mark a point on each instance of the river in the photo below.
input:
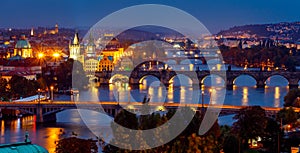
(244, 93)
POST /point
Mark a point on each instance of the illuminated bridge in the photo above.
(46, 111)
(158, 69)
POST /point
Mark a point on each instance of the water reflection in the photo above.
(245, 96)
(277, 97)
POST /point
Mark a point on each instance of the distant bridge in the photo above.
(165, 75)
(46, 111)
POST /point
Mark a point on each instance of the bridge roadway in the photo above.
(46, 111)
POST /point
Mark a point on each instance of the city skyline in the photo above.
(216, 16)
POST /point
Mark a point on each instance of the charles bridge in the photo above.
(165, 75)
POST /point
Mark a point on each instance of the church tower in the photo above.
(74, 48)
(91, 47)
(56, 28)
(31, 33)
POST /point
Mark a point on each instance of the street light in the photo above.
(51, 89)
(129, 88)
(39, 99)
(202, 95)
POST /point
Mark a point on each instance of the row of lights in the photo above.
(42, 55)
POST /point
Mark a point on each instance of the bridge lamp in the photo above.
(51, 88)
(129, 88)
(39, 98)
(202, 95)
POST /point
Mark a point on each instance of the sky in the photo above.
(216, 15)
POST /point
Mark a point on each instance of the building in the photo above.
(74, 49)
(91, 47)
(105, 64)
(22, 67)
(90, 62)
(90, 67)
(23, 48)
(113, 54)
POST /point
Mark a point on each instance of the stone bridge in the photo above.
(165, 75)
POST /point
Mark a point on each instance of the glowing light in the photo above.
(277, 97)
(56, 55)
(40, 55)
(160, 108)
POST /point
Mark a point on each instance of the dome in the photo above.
(23, 147)
(22, 44)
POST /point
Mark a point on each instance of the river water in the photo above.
(244, 93)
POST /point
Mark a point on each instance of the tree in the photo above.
(4, 91)
(250, 124)
(187, 141)
(291, 98)
(288, 116)
(21, 87)
(76, 145)
(231, 144)
(270, 141)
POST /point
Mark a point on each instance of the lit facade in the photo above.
(74, 49)
(113, 54)
(105, 64)
(23, 48)
(90, 66)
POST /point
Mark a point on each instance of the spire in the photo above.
(56, 28)
(76, 39)
(91, 40)
(31, 32)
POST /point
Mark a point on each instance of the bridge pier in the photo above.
(293, 86)
(229, 86)
(39, 113)
(260, 84)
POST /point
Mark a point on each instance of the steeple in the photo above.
(91, 40)
(31, 32)
(56, 28)
(76, 39)
(90, 50)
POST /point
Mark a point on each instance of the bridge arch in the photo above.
(118, 78)
(143, 80)
(213, 80)
(171, 62)
(276, 80)
(180, 80)
(250, 80)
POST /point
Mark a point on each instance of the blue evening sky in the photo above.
(214, 14)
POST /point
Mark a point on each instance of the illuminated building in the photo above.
(90, 62)
(31, 32)
(105, 64)
(91, 47)
(113, 54)
(126, 64)
(56, 28)
(90, 66)
(23, 48)
(74, 49)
